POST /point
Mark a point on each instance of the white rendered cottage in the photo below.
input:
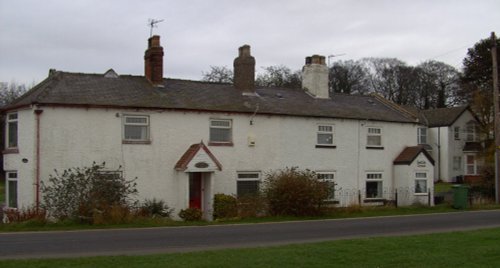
(187, 140)
(452, 137)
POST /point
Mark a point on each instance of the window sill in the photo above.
(374, 200)
(216, 143)
(374, 147)
(135, 142)
(10, 151)
(326, 146)
(421, 194)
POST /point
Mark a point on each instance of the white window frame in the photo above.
(147, 125)
(320, 131)
(419, 178)
(471, 131)
(257, 178)
(420, 137)
(7, 188)
(330, 181)
(368, 134)
(230, 128)
(379, 179)
(11, 120)
(456, 133)
(473, 165)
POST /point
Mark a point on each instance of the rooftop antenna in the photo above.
(333, 56)
(153, 24)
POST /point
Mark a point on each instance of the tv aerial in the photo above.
(152, 23)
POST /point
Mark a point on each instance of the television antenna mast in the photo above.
(333, 56)
(152, 23)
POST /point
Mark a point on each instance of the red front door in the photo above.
(195, 190)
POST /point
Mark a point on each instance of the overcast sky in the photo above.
(92, 36)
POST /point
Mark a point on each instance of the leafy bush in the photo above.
(155, 208)
(191, 214)
(83, 194)
(295, 192)
(225, 206)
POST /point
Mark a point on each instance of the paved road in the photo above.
(178, 239)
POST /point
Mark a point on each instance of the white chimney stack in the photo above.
(315, 77)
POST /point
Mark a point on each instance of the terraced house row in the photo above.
(188, 140)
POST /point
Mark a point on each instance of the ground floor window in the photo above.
(374, 185)
(420, 182)
(247, 183)
(328, 177)
(457, 163)
(470, 165)
(11, 196)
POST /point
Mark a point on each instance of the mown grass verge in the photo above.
(457, 249)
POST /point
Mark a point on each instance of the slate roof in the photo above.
(79, 89)
(408, 155)
(442, 117)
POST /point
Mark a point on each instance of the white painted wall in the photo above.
(404, 177)
(75, 137)
(449, 148)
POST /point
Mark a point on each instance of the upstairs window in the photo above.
(329, 178)
(248, 183)
(12, 130)
(324, 135)
(456, 133)
(220, 131)
(374, 137)
(471, 131)
(422, 135)
(136, 128)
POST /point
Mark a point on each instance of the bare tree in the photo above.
(279, 76)
(11, 91)
(349, 77)
(218, 74)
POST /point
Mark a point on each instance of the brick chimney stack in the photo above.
(315, 77)
(153, 61)
(244, 71)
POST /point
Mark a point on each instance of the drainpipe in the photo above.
(38, 113)
(439, 153)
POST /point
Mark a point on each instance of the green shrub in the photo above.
(155, 208)
(191, 214)
(295, 192)
(88, 193)
(225, 206)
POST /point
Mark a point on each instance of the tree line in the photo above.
(428, 85)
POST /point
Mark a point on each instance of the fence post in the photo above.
(359, 197)
(429, 197)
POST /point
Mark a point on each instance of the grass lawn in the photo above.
(458, 249)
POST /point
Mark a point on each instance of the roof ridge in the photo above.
(394, 106)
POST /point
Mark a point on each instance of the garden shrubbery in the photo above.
(88, 194)
(295, 192)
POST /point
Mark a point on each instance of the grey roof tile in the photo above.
(63, 88)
